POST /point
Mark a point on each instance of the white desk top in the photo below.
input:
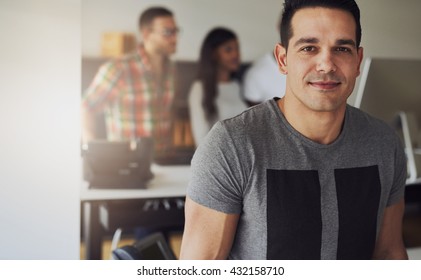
(169, 181)
(414, 182)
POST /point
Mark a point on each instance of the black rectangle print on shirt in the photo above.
(358, 191)
(294, 223)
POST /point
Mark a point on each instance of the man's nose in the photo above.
(173, 39)
(325, 62)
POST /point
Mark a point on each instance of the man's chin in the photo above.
(168, 53)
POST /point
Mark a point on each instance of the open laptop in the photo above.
(118, 164)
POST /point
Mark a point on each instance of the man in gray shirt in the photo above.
(306, 176)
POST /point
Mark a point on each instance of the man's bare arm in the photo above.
(389, 243)
(88, 125)
(208, 234)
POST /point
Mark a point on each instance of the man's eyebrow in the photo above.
(313, 40)
(342, 42)
(309, 40)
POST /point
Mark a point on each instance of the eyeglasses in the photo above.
(168, 32)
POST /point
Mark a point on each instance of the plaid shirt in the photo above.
(135, 102)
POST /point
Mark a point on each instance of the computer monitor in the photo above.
(390, 89)
(388, 86)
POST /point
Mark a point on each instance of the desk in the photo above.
(108, 209)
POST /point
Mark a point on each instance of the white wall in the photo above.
(39, 120)
(254, 21)
(390, 27)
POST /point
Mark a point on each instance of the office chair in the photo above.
(152, 247)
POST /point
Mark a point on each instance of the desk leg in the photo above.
(92, 231)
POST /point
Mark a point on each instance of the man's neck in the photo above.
(156, 60)
(321, 127)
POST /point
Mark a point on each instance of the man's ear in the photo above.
(360, 59)
(280, 54)
(144, 33)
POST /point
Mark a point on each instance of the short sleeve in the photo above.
(398, 188)
(218, 176)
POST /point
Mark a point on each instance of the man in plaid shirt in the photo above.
(135, 92)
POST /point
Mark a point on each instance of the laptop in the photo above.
(118, 164)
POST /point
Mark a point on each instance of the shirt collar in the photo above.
(145, 59)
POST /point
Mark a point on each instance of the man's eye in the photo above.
(342, 49)
(229, 49)
(308, 49)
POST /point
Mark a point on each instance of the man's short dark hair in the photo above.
(292, 6)
(147, 16)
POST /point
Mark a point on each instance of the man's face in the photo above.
(322, 62)
(162, 35)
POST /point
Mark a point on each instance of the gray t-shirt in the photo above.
(299, 199)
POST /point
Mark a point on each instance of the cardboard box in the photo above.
(115, 44)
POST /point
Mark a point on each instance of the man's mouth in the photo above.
(325, 85)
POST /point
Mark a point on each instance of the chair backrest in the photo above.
(152, 247)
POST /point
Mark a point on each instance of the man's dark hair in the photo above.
(147, 16)
(292, 6)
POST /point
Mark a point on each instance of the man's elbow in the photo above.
(398, 253)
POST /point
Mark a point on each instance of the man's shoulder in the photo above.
(123, 63)
(253, 116)
(132, 57)
(360, 115)
(117, 61)
(367, 123)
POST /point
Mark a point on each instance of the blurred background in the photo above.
(43, 43)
